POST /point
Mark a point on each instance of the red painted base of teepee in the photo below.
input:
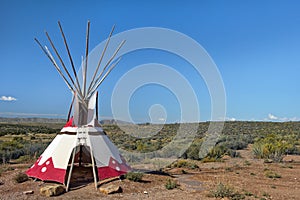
(113, 169)
(46, 171)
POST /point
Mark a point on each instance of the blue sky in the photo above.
(255, 45)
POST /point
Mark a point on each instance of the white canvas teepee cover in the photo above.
(52, 164)
(83, 129)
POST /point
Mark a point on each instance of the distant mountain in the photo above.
(52, 120)
(113, 121)
(31, 120)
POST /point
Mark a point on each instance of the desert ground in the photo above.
(246, 176)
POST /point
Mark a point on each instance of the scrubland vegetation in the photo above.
(252, 172)
(270, 140)
(21, 142)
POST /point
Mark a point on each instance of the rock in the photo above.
(268, 161)
(288, 158)
(28, 192)
(145, 192)
(52, 190)
(226, 157)
(110, 189)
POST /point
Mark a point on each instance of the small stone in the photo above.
(145, 192)
(268, 161)
(53, 190)
(288, 158)
(226, 157)
(28, 192)
(110, 189)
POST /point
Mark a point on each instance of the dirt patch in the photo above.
(246, 175)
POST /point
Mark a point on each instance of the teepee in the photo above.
(82, 139)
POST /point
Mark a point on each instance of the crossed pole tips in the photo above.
(85, 90)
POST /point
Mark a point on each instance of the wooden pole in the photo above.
(107, 64)
(103, 78)
(86, 57)
(101, 57)
(70, 109)
(47, 52)
(71, 168)
(70, 57)
(97, 106)
(62, 63)
(80, 155)
(93, 159)
(94, 170)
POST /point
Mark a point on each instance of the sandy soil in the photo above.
(246, 175)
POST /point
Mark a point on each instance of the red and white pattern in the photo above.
(113, 169)
(53, 163)
(46, 171)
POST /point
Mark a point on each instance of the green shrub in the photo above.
(274, 146)
(171, 184)
(181, 163)
(222, 191)
(193, 151)
(24, 159)
(134, 176)
(236, 142)
(247, 193)
(5, 168)
(247, 163)
(272, 174)
(20, 177)
(184, 164)
(19, 147)
(287, 166)
(265, 194)
(216, 153)
(208, 159)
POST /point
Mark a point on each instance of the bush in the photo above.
(171, 184)
(134, 176)
(193, 151)
(184, 164)
(19, 147)
(275, 147)
(208, 159)
(4, 168)
(24, 159)
(217, 152)
(272, 174)
(223, 191)
(235, 142)
(20, 177)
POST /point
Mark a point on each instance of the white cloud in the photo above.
(282, 119)
(230, 119)
(272, 117)
(286, 119)
(161, 119)
(8, 98)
